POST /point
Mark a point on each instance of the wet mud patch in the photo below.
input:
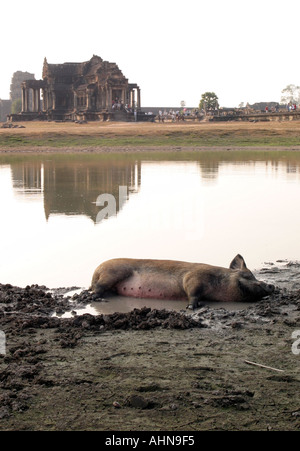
(283, 273)
(150, 369)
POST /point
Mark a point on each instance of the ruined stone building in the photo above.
(92, 90)
(16, 81)
(5, 109)
(15, 93)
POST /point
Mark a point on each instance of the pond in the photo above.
(64, 214)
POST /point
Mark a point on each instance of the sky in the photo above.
(175, 50)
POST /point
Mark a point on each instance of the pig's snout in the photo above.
(268, 287)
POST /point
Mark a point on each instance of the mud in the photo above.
(150, 369)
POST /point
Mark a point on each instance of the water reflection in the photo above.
(28, 177)
(72, 187)
(186, 206)
(209, 171)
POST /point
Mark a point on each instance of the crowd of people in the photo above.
(117, 104)
(291, 106)
(275, 109)
(176, 116)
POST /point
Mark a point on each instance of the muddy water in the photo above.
(124, 305)
(62, 215)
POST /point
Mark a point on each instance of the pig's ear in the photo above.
(238, 263)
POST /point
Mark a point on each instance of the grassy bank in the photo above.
(59, 135)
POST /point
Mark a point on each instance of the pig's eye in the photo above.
(248, 276)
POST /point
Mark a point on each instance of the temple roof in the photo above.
(95, 66)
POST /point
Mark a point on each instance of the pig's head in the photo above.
(249, 287)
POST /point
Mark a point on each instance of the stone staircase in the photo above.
(123, 116)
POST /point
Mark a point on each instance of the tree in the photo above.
(209, 101)
(291, 94)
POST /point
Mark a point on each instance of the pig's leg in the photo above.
(106, 280)
(193, 302)
(100, 289)
(105, 285)
(194, 290)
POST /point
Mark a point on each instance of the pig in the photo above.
(171, 279)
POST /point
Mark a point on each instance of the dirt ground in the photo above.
(136, 129)
(151, 370)
(99, 137)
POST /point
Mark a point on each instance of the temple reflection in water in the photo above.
(71, 184)
(71, 187)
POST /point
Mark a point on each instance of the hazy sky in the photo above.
(244, 51)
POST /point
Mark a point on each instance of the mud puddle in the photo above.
(283, 273)
(123, 304)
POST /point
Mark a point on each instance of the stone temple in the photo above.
(92, 90)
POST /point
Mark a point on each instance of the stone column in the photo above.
(23, 99)
(103, 101)
(104, 93)
(75, 101)
(88, 99)
(109, 98)
(132, 99)
(49, 100)
(124, 96)
(138, 98)
(38, 100)
(26, 100)
(45, 100)
(53, 100)
(34, 101)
